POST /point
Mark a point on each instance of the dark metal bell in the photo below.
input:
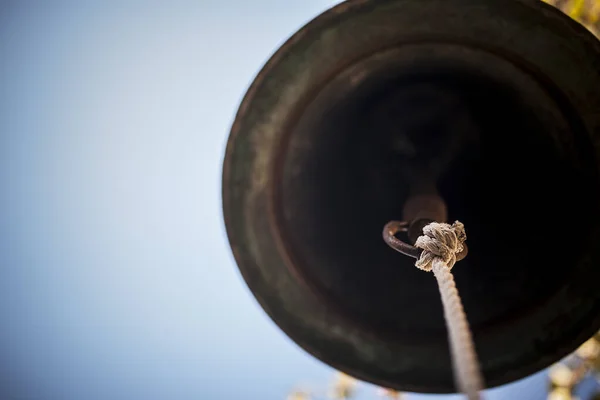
(495, 106)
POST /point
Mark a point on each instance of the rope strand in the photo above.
(440, 243)
(464, 359)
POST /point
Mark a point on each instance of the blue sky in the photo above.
(117, 281)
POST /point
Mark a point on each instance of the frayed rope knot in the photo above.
(440, 240)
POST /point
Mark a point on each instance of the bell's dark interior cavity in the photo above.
(505, 152)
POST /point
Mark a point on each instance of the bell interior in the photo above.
(504, 150)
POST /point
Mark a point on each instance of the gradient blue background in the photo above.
(116, 279)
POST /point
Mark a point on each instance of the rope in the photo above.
(440, 243)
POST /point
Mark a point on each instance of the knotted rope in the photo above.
(441, 243)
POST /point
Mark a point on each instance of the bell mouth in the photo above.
(494, 106)
(503, 149)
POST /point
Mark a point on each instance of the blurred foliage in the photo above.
(299, 395)
(343, 387)
(390, 394)
(565, 375)
(568, 374)
(586, 12)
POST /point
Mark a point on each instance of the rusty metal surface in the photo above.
(275, 193)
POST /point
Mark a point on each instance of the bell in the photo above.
(487, 112)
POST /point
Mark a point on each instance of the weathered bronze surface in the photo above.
(498, 103)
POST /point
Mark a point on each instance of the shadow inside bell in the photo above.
(517, 181)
